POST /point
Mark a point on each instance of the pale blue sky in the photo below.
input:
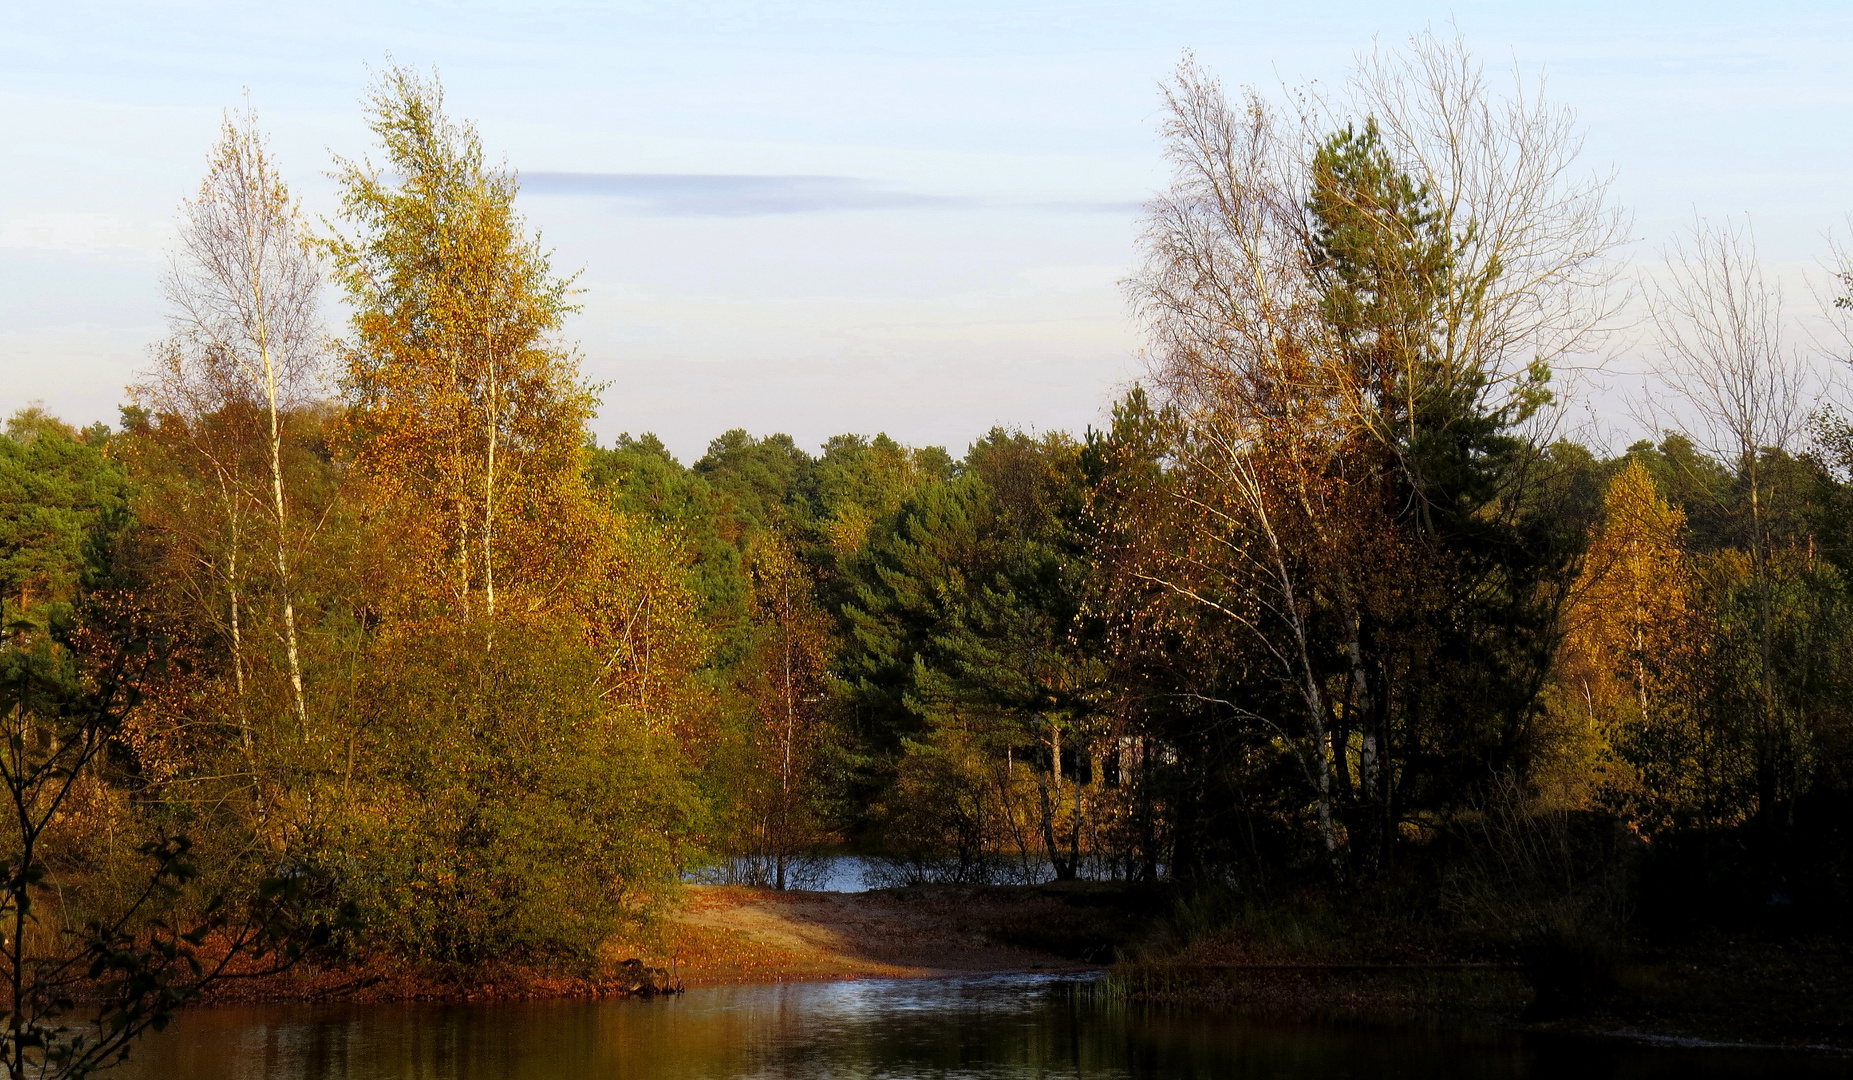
(850, 216)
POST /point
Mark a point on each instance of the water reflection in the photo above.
(984, 1027)
(855, 873)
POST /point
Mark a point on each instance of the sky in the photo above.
(830, 217)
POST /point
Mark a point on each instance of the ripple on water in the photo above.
(997, 1027)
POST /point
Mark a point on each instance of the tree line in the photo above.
(368, 630)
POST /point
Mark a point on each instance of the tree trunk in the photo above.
(278, 507)
(1052, 847)
(494, 426)
(234, 526)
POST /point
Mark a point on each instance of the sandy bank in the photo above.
(734, 934)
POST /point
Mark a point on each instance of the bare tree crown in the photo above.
(1229, 288)
(1723, 351)
(243, 285)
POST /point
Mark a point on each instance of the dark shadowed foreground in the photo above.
(992, 1026)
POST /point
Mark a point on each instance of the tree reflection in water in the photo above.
(1003, 1027)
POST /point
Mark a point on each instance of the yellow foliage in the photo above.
(632, 597)
(467, 415)
(1622, 730)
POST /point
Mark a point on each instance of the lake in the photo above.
(998, 1027)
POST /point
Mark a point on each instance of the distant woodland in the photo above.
(349, 623)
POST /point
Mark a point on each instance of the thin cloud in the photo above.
(722, 195)
(1127, 207)
(749, 195)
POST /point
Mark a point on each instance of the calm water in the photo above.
(853, 873)
(995, 1027)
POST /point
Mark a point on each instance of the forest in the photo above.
(347, 636)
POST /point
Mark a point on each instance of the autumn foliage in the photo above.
(1323, 606)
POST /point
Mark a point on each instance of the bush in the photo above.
(498, 807)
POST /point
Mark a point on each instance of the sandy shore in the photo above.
(726, 934)
(734, 934)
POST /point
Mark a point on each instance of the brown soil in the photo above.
(734, 934)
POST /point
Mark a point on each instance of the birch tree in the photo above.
(1246, 360)
(785, 676)
(1746, 389)
(462, 400)
(1354, 303)
(1723, 351)
(242, 289)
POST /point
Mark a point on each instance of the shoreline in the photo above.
(739, 935)
(1773, 996)
(1726, 995)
